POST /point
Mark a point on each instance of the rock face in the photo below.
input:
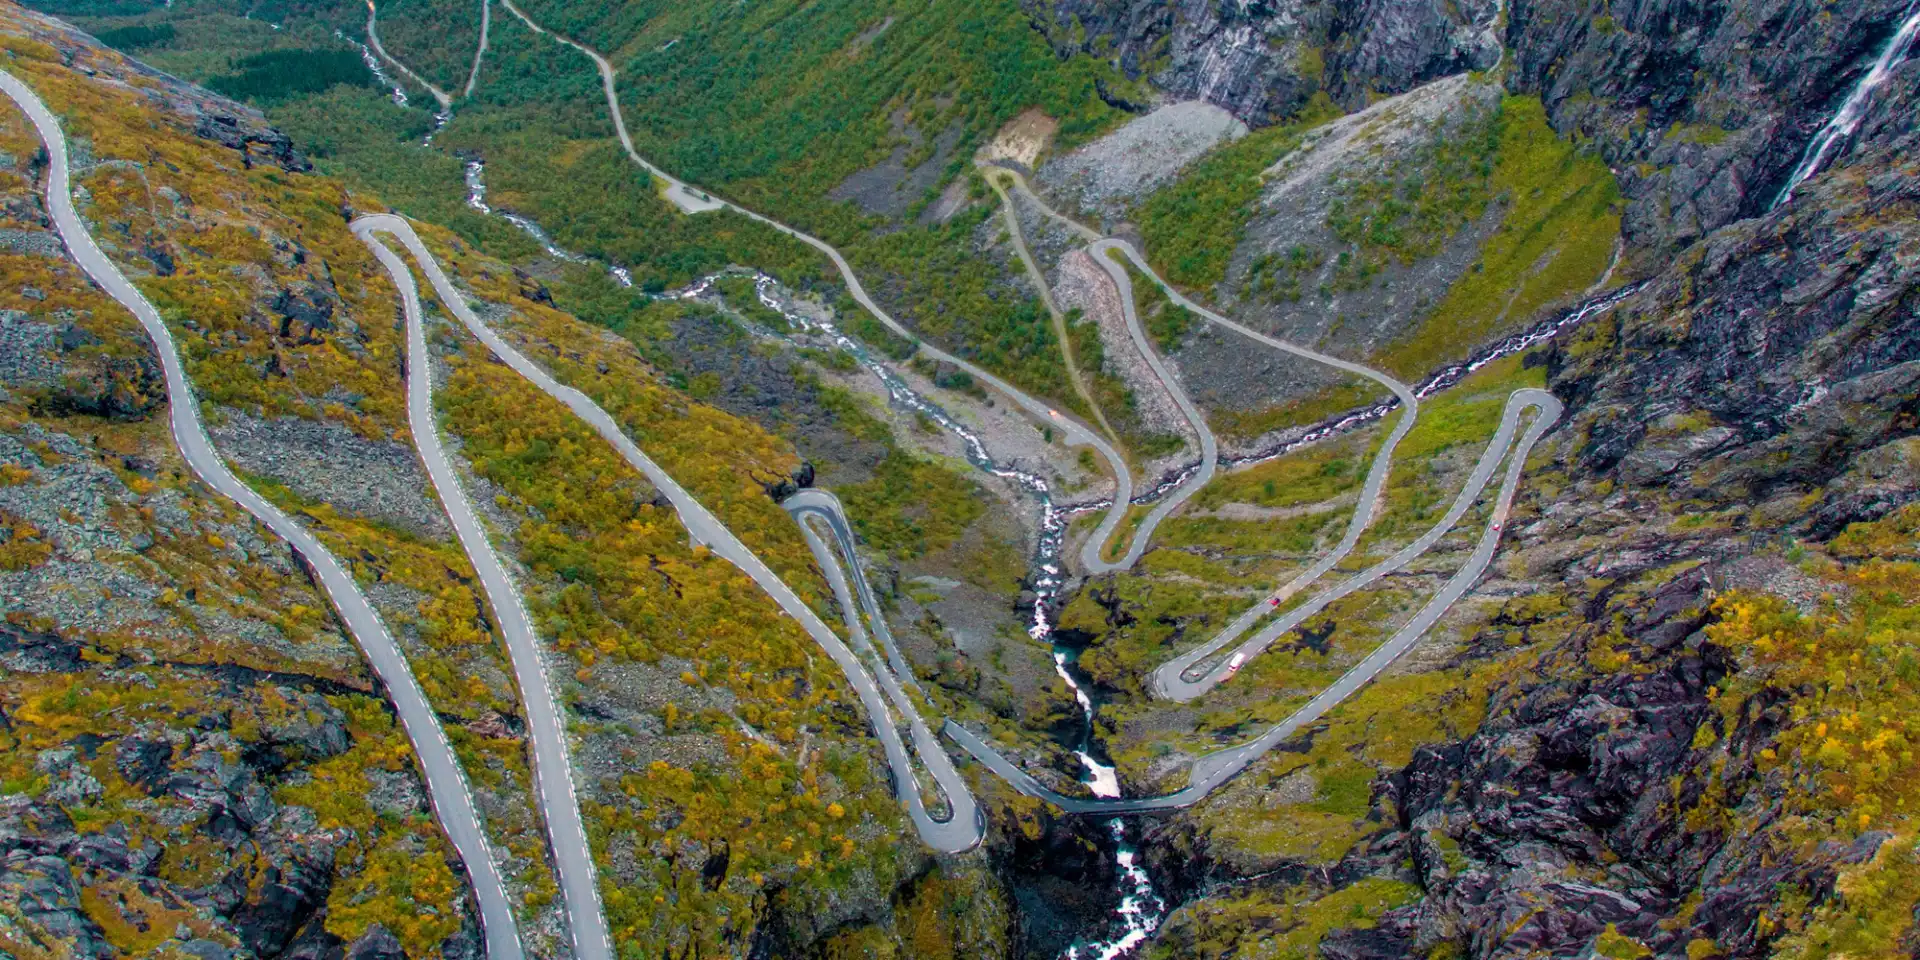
(1703, 109)
(1264, 59)
(1775, 336)
(53, 364)
(255, 141)
(1766, 374)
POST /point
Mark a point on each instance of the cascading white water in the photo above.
(476, 171)
(1846, 121)
(395, 90)
(1140, 908)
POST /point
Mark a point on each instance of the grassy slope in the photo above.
(416, 902)
(1559, 217)
(779, 102)
(637, 593)
(824, 109)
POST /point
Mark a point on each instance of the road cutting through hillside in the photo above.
(1171, 680)
(546, 725)
(373, 39)
(962, 829)
(1012, 217)
(446, 786)
(479, 52)
(1215, 769)
(693, 200)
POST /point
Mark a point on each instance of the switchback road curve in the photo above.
(693, 200)
(893, 671)
(960, 831)
(1214, 769)
(446, 787)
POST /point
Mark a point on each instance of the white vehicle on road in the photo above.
(1233, 666)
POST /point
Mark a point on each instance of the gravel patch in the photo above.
(29, 350)
(1021, 141)
(1085, 286)
(324, 461)
(1110, 175)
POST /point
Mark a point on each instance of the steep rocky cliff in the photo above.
(1265, 59)
(1709, 753)
(1702, 108)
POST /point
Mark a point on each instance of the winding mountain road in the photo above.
(958, 832)
(1091, 552)
(480, 52)
(1011, 215)
(1214, 769)
(694, 200)
(373, 39)
(446, 786)
(815, 502)
(963, 828)
(1177, 679)
(546, 726)
(1171, 680)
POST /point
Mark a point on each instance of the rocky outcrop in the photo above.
(1702, 109)
(1777, 336)
(255, 141)
(196, 776)
(1565, 814)
(60, 366)
(1263, 60)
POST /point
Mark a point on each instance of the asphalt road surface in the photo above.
(958, 832)
(694, 200)
(480, 52)
(546, 725)
(446, 787)
(1010, 214)
(963, 825)
(1090, 554)
(1178, 680)
(373, 39)
(1214, 769)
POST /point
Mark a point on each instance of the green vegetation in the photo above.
(1275, 278)
(1167, 323)
(1287, 925)
(434, 38)
(776, 104)
(1410, 214)
(912, 507)
(942, 290)
(1852, 679)
(283, 74)
(539, 119)
(1557, 230)
(1453, 426)
(1312, 408)
(137, 37)
(1193, 225)
(1318, 473)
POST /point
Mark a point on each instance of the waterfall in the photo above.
(1846, 121)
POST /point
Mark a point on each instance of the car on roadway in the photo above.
(1273, 601)
(1233, 666)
